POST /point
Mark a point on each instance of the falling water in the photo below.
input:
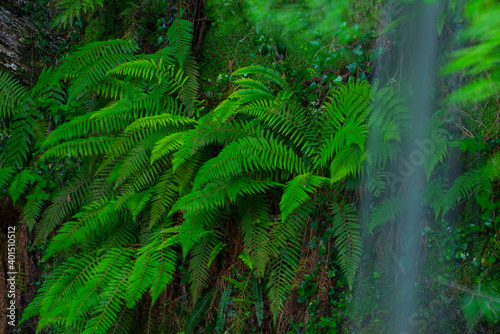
(415, 79)
(421, 34)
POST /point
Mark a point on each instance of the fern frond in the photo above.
(347, 239)
(286, 246)
(189, 92)
(282, 116)
(6, 175)
(434, 148)
(347, 162)
(11, 93)
(166, 146)
(199, 263)
(266, 73)
(165, 194)
(85, 124)
(389, 209)
(96, 219)
(200, 308)
(23, 127)
(477, 181)
(255, 226)
(245, 185)
(211, 196)
(153, 268)
(35, 202)
(193, 228)
(89, 65)
(138, 202)
(64, 204)
(249, 155)
(351, 133)
(70, 9)
(159, 121)
(117, 264)
(62, 285)
(81, 147)
(20, 184)
(297, 191)
(179, 38)
(208, 133)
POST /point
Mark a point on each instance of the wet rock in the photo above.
(14, 42)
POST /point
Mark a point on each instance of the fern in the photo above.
(249, 155)
(348, 239)
(11, 94)
(199, 263)
(198, 311)
(35, 202)
(477, 181)
(71, 9)
(153, 268)
(386, 211)
(64, 204)
(286, 247)
(179, 36)
(297, 192)
(20, 184)
(89, 65)
(255, 227)
(5, 176)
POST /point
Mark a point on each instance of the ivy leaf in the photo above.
(352, 67)
(338, 80)
(357, 50)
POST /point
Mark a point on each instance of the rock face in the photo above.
(14, 46)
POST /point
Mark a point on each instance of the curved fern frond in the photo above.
(85, 124)
(11, 93)
(266, 73)
(477, 181)
(347, 162)
(297, 191)
(81, 147)
(386, 211)
(6, 175)
(193, 228)
(207, 134)
(249, 155)
(285, 118)
(69, 9)
(20, 184)
(159, 121)
(112, 276)
(96, 219)
(23, 127)
(89, 65)
(64, 204)
(153, 268)
(35, 202)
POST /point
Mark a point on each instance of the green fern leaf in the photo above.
(298, 191)
(387, 210)
(20, 184)
(11, 93)
(179, 37)
(6, 175)
(347, 239)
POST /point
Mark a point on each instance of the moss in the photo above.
(94, 30)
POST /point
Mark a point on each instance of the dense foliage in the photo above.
(273, 205)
